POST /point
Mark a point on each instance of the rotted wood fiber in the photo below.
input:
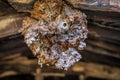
(102, 51)
(57, 34)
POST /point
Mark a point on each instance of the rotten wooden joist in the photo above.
(98, 53)
(102, 11)
(100, 3)
(102, 51)
(97, 70)
(10, 20)
(100, 48)
(107, 33)
(10, 24)
(20, 5)
(6, 9)
(13, 21)
(19, 64)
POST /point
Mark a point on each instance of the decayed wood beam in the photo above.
(8, 48)
(103, 38)
(103, 32)
(98, 50)
(11, 23)
(108, 5)
(106, 13)
(90, 56)
(97, 70)
(6, 9)
(20, 5)
(111, 54)
(100, 3)
(104, 45)
(101, 47)
(10, 20)
(20, 64)
(102, 15)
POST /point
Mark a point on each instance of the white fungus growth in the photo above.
(55, 37)
(68, 58)
(81, 45)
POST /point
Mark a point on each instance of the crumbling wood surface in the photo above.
(100, 58)
(110, 57)
(16, 58)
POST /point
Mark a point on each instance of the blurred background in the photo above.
(101, 57)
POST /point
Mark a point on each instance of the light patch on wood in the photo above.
(21, 1)
(8, 73)
(6, 21)
(98, 70)
(9, 25)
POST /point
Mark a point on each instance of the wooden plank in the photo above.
(88, 55)
(100, 58)
(22, 65)
(99, 3)
(6, 9)
(10, 24)
(103, 45)
(97, 70)
(13, 22)
(98, 12)
(20, 5)
(103, 32)
(102, 15)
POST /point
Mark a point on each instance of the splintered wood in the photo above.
(55, 32)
